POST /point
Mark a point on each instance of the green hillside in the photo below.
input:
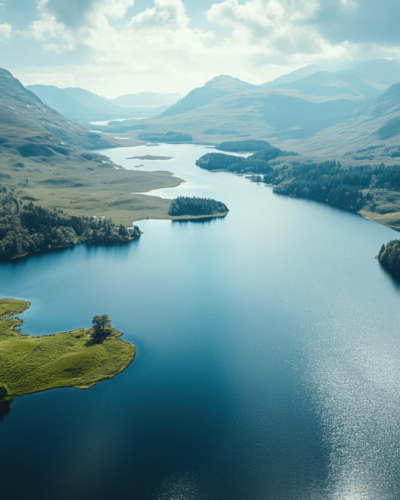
(44, 158)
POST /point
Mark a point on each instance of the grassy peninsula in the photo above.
(79, 358)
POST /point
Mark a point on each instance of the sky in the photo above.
(116, 47)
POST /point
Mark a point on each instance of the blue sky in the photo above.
(114, 47)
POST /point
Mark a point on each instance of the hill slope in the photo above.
(372, 135)
(44, 159)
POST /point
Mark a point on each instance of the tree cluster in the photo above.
(331, 182)
(28, 228)
(185, 205)
(257, 163)
(389, 256)
(218, 161)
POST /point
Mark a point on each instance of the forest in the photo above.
(257, 163)
(26, 228)
(389, 256)
(185, 205)
(331, 182)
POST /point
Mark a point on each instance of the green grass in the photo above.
(10, 307)
(67, 359)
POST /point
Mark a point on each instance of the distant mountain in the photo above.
(83, 106)
(214, 89)
(364, 81)
(150, 99)
(258, 113)
(345, 84)
(371, 135)
(24, 120)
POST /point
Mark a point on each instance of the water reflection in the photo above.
(5, 408)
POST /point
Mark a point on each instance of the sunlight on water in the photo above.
(355, 377)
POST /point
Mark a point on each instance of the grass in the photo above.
(67, 359)
(10, 307)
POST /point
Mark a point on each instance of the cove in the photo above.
(267, 361)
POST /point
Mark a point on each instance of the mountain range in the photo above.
(333, 112)
(81, 105)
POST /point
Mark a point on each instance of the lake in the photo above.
(268, 355)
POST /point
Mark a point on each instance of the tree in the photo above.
(3, 393)
(101, 325)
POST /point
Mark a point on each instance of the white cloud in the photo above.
(5, 31)
(158, 49)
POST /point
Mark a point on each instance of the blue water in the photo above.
(268, 358)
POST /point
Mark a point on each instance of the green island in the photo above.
(389, 257)
(80, 358)
(150, 157)
(194, 207)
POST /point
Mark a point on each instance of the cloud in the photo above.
(75, 13)
(359, 21)
(5, 31)
(114, 47)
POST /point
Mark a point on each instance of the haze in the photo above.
(115, 47)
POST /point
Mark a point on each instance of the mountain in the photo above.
(83, 106)
(256, 112)
(345, 84)
(142, 99)
(24, 117)
(371, 135)
(45, 159)
(214, 89)
(363, 81)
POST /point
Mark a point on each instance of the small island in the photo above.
(80, 358)
(150, 157)
(389, 257)
(197, 207)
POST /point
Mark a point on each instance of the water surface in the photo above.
(267, 356)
